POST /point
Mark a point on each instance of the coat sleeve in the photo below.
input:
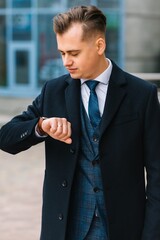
(19, 134)
(152, 163)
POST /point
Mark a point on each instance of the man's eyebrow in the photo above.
(69, 51)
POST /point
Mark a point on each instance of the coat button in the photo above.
(72, 150)
(60, 216)
(64, 183)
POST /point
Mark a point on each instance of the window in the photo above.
(108, 3)
(2, 3)
(99, 3)
(72, 3)
(112, 36)
(21, 27)
(2, 52)
(56, 5)
(21, 3)
(49, 60)
(22, 67)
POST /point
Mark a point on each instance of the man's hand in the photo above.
(57, 128)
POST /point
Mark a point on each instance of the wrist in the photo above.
(39, 126)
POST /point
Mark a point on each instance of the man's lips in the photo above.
(72, 69)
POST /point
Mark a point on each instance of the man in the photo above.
(94, 185)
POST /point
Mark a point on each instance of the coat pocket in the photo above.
(126, 118)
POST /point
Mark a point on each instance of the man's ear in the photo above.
(101, 45)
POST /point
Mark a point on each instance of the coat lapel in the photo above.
(115, 95)
(72, 97)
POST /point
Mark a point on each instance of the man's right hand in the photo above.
(57, 128)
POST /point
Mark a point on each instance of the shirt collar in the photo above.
(104, 76)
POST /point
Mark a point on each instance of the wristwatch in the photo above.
(39, 126)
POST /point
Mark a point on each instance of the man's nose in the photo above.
(67, 61)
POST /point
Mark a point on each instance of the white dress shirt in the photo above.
(101, 89)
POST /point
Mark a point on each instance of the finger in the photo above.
(68, 141)
(59, 128)
(62, 129)
(55, 124)
(66, 131)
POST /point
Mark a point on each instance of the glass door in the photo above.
(22, 67)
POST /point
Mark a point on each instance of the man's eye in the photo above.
(74, 54)
(62, 53)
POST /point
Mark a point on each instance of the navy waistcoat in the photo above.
(87, 199)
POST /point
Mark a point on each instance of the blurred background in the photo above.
(28, 57)
(28, 54)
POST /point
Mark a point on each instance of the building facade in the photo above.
(142, 36)
(28, 54)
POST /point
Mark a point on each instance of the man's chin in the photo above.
(75, 76)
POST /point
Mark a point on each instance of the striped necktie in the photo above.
(93, 108)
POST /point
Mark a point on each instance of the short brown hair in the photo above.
(91, 18)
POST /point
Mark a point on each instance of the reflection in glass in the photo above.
(56, 5)
(21, 3)
(2, 51)
(21, 27)
(112, 35)
(73, 3)
(108, 3)
(2, 3)
(99, 3)
(50, 63)
(22, 67)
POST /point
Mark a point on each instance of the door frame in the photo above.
(31, 85)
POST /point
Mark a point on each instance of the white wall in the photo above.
(142, 35)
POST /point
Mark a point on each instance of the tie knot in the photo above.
(92, 84)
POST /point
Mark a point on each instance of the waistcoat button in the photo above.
(95, 162)
(96, 214)
(96, 189)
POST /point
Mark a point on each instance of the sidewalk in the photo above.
(10, 107)
(21, 181)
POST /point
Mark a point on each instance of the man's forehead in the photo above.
(68, 44)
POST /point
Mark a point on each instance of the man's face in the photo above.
(80, 56)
